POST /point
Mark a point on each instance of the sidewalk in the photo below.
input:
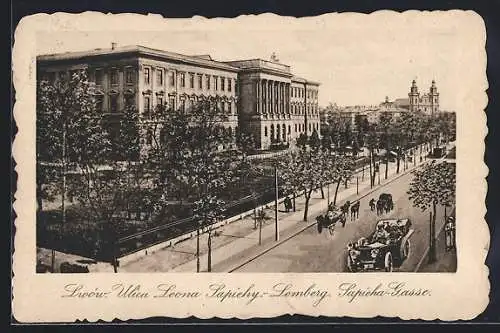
(236, 242)
(446, 261)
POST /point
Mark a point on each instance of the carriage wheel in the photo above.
(388, 262)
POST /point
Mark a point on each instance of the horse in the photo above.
(355, 211)
(380, 207)
(345, 208)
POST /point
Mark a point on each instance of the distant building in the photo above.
(427, 103)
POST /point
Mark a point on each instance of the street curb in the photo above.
(426, 253)
(375, 188)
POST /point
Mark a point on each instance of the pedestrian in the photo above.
(288, 204)
(372, 204)
(450, 233)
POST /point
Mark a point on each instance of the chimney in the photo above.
(113, 46)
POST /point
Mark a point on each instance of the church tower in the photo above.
(434, 97)
(413, 96)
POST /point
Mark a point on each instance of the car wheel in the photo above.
(404, 250)
(350, 264)
(331, 229)
(388, 262)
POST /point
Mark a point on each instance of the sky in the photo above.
(358, 59)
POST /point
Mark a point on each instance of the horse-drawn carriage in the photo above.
(384, 203)
(332, 216)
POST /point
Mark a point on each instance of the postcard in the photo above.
(250, 167)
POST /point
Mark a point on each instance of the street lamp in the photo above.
(276, 228)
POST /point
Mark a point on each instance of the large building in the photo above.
(260, 96)
(427, 103)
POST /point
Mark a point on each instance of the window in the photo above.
(222, 83)
(99, 102)
(147, 103)
(223, 106)
(200, 81)
(289, 129)
(183, 105)
(146, 75)
(229, 84)
(129, 100)
(216, 81)
(172, 79)
(191, 81)
(171, 103)
(98, 77)
(208, 82)
(129, 76)
(113, 103)
(159, 100)
(183, 79)
(230, 108)
(159, 77)
(265, 130)
(295, 128)
(114, 76)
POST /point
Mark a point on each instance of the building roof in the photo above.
(199, 60)
(261, 65)
(402, 101)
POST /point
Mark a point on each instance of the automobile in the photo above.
(387, 247)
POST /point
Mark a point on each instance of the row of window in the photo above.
(281, 130)
(184, 104)
(299, 92)
(228, 131)
(300, 109)
(194, 81)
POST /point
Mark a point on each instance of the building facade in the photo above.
(262, 97)
(144, 78)
(427, 103)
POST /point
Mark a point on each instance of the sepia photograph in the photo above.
(200, 154)
(255, 166)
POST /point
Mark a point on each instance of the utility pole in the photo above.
(357, 185)
(276, 237)
(328, 195)
(432, 245)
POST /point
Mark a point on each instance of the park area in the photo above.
(135, 230)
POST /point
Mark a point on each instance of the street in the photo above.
(310, 251)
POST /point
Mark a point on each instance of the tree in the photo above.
(433, 185)
(372, 142)
(341, 171)
(384, 125)
(302, 170)
(199, 162)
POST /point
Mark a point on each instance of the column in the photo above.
(280, 93)
(287, 98)
(259, 98)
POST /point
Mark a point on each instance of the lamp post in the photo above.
(276, 228)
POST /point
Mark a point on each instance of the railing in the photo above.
(165, 232)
